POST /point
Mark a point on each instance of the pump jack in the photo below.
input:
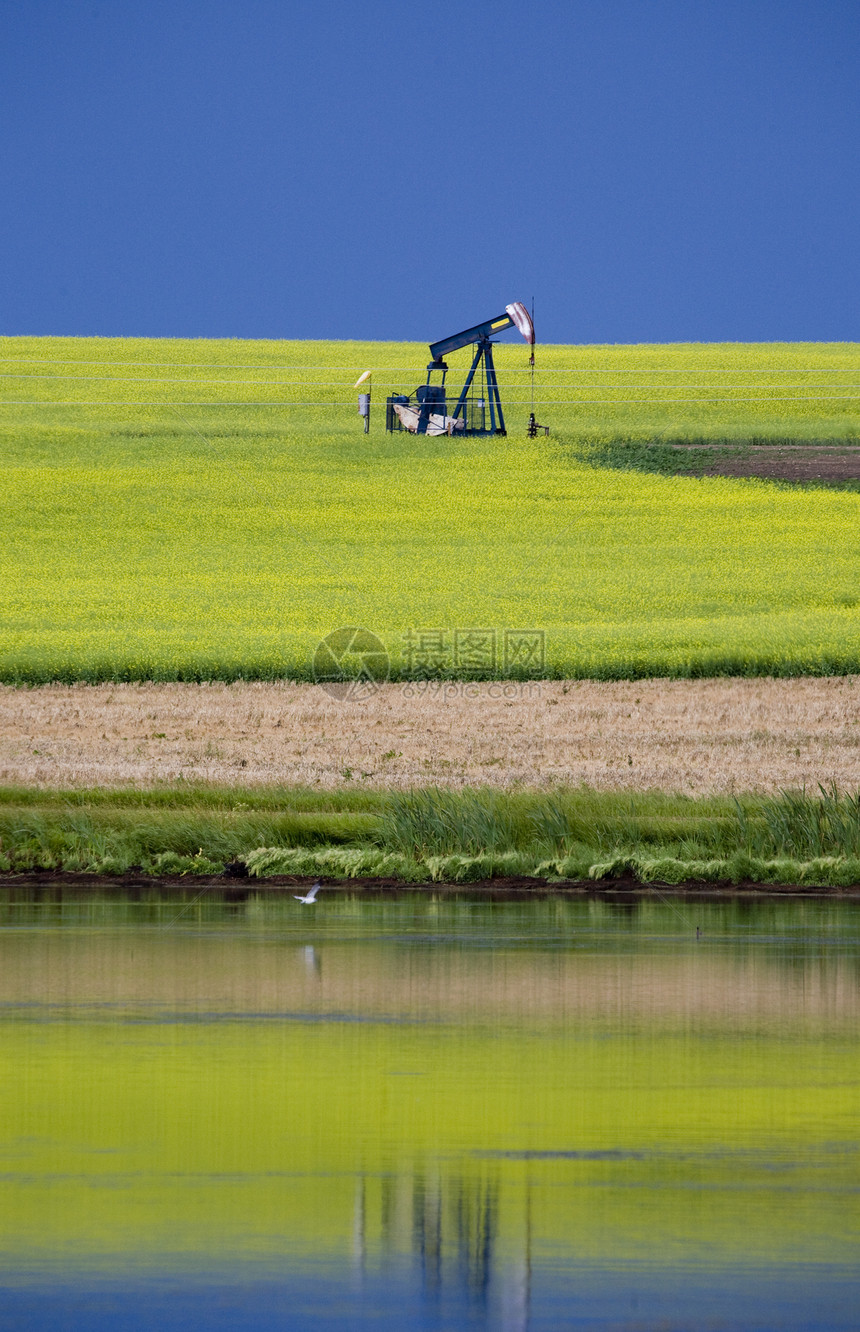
(425, 412)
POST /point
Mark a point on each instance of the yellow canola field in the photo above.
(193, 510)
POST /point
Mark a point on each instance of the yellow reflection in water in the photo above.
(217, 1100)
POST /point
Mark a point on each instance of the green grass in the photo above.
(141, 539)
(435, 835)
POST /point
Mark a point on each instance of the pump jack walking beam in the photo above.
(477, 334)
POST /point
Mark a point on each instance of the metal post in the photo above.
(493, 392)
(364, 398)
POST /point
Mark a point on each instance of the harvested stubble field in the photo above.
(210, 510)
(696, 736)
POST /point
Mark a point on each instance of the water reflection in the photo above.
(451, 1226)
(417, 1113)
(312, 960)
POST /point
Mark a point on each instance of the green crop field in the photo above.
(197, 510)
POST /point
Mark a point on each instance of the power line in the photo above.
(521, 402)
(383, 369)
(575, 402)
(342, 383)
(202, 365)
(154, 379)
(761, 388)
(113, 402)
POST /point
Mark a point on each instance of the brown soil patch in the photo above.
(793, 462)
(696, 736)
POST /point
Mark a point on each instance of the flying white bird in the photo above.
(311, 897)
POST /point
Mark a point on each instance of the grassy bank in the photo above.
(212, 510)
(434, 835)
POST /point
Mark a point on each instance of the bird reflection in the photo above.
(311, 959)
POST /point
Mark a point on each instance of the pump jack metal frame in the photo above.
(430, 398)
(480, 335)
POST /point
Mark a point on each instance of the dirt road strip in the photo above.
(696, 736)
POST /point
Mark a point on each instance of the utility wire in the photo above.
(378, 369)
(158, 379)
(515, 402)
(114, 402)
(344, 383)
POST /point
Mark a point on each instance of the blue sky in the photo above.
(647, 170)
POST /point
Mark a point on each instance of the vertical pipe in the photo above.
(493, 388)
(486, 347)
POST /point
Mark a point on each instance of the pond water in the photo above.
(421, 1113)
